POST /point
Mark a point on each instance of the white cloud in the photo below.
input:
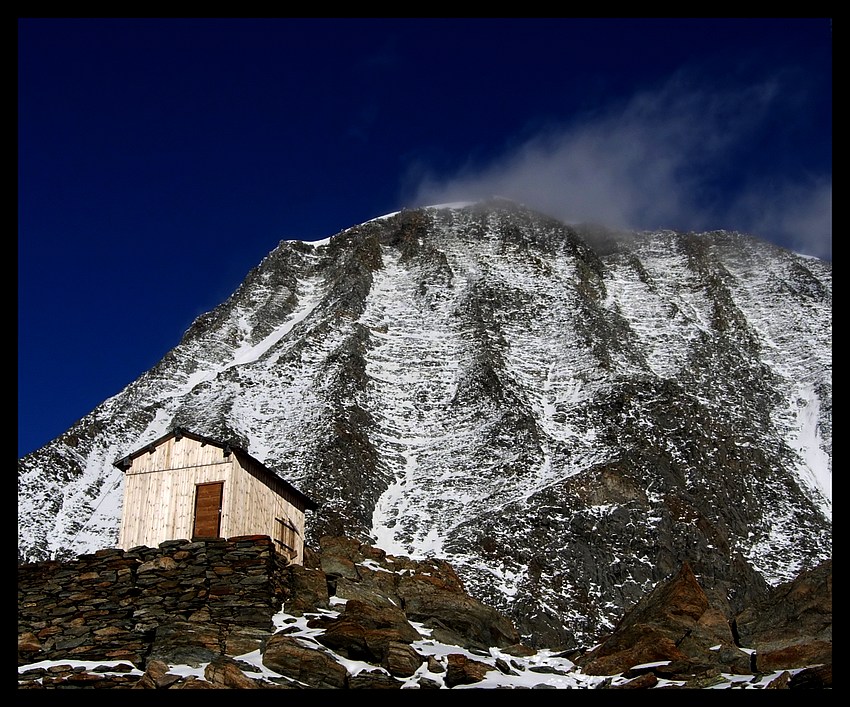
(799, 215)
(662, 159)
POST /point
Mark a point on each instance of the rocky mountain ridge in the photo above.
(566, 414)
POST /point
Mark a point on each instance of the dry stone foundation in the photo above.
(111, 604)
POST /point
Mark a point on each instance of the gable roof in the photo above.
(124, 462)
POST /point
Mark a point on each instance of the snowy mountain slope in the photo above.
(563, 413)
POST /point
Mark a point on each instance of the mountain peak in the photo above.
(564, 413)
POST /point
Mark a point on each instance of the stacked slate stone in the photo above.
(115, 604)
(83, 609)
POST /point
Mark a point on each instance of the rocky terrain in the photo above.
(566, 415)
(356, 618)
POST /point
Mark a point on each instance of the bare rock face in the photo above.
(792, 626)
(675, 624)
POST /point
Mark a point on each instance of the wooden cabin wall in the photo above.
(252, 507)
(159, 490)
(159, 496)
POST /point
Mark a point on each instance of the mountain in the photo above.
(566, 414)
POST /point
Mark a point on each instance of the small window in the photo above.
(286, 537)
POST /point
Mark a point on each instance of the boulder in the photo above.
(244, 639)
(311, 666)
(401, 659)
(190, 682)
(818, 677)
(642, 682)
(29, 648)
(375, 587)
(339, 556)
(364, 632)
(373, 680)
(452, 615)
(462, 670)
(187, 643)
(305, 590)
(156, 677)
(224, 672)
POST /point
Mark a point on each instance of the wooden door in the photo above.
(208, 510)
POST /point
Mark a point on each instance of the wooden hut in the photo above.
(184, 485)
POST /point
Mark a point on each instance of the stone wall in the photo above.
(109, 605)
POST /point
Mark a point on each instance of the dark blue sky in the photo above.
(161, 159)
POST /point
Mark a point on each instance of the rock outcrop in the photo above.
(677, 632)
(792, 626)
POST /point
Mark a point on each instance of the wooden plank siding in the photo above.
(160, 491)
(254, 503)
